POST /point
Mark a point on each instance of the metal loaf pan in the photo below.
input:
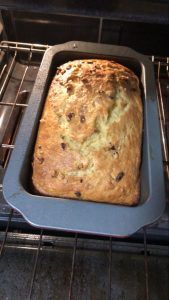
(77, 215)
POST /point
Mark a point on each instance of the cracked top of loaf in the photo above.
(88, 145)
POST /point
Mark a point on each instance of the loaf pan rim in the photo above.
(20, 200)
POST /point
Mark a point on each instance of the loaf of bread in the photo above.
(88, 145)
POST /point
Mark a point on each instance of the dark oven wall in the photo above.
(141, 25)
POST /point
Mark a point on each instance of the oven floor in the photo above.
(90, 277)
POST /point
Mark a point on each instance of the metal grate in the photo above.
(10, 54)
(162, 70)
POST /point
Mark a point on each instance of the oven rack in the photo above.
(30, 55)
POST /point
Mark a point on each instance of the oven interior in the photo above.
(43, 264)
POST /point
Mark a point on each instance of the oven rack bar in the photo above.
(13, 49)
(162, 115)
(23, 47)
(35, 265)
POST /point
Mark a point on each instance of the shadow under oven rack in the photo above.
(19, 63)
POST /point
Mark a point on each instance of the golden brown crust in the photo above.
(89, 140)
